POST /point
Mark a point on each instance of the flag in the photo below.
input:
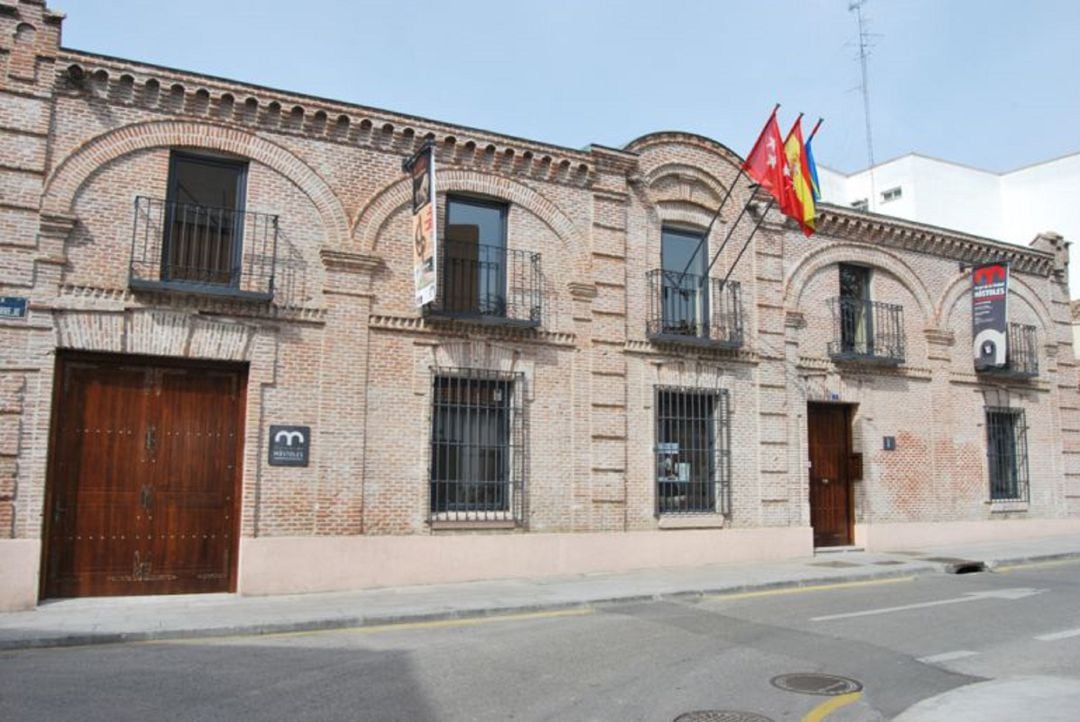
(767, 165)
(814, 184)
(801, 181)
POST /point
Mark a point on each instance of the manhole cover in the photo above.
(721, 715)
(835, 565)
(814, 683)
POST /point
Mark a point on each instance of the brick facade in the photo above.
(342, 348)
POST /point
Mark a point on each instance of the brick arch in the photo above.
(371, 219)
(862, 255)
(962, 284)
(76, 169)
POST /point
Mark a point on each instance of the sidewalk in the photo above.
(128, 619)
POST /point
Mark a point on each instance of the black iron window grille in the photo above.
(869, 331)
(478, 454)
(682, 309)
(1007, 453)
(1021, 353)
(693, 451)
(201, 249)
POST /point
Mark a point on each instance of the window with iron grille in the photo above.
(1007, 453)
(693, 450)
(477, 446)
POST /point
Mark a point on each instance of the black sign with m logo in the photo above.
(290, 445)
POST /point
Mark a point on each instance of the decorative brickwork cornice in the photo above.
(921, 238)
(89, 298)
(57, 225)
(819, 365)
(647, 348)
(165, 90)
(350, 262)
(464, 329)
(667, 137)
(582, 291)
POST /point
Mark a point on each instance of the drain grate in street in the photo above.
(835, 565)
(721, 715)
(889, 562)
(814, 683)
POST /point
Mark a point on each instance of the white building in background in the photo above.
(1012, 207)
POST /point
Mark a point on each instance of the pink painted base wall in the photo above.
(19, 560)
(280, 565)
(915, 535)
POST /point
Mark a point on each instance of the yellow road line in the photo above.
(398, 627)
(811, 588)
(1035, 565)
(828, 707)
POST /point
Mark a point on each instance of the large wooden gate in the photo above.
(144, 478)
(829, 437)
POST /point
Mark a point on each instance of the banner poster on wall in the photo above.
(989, 315)
(424, 233)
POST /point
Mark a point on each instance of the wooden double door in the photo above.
(144, 478)
(829, 442)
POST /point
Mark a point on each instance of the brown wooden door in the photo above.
(828, 429)
(144, 473)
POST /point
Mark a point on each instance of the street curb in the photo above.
(83, 639)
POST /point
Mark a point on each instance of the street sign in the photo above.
(12, 307)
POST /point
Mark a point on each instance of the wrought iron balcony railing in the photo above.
(683, 309)
(1021, 353)
(202, 250)
(490, 284)
(867, 331)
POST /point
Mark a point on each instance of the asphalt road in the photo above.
(901, 640)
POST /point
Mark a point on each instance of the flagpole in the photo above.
(716, 215)
(729, 234)
(812, 132)
(746, 244)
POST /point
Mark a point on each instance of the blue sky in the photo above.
(990, 84)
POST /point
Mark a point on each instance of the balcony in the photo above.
(185, 248)
(1021, 354)
(867, 331)
(684, 310)
(487, 284)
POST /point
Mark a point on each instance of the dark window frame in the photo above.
(478, 430)
(453, 284)
(235, 215)
(1007, 454)
(855, 315)
(684, 303)
(681, 412)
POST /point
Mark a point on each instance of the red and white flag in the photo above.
(767, 164)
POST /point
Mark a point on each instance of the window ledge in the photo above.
(200, 289)
(1004, 505)
(483, 524)
(690, 520)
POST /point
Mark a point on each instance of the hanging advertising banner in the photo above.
(421, 168)
(990, 315)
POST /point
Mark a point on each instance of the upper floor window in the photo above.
(864, 329)
(861, 205)
(891, 195)
(685, 298)
(478, 275)
(204, 219)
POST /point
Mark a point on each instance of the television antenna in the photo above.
(856, 6)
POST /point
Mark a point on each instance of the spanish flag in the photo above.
(801, 180)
